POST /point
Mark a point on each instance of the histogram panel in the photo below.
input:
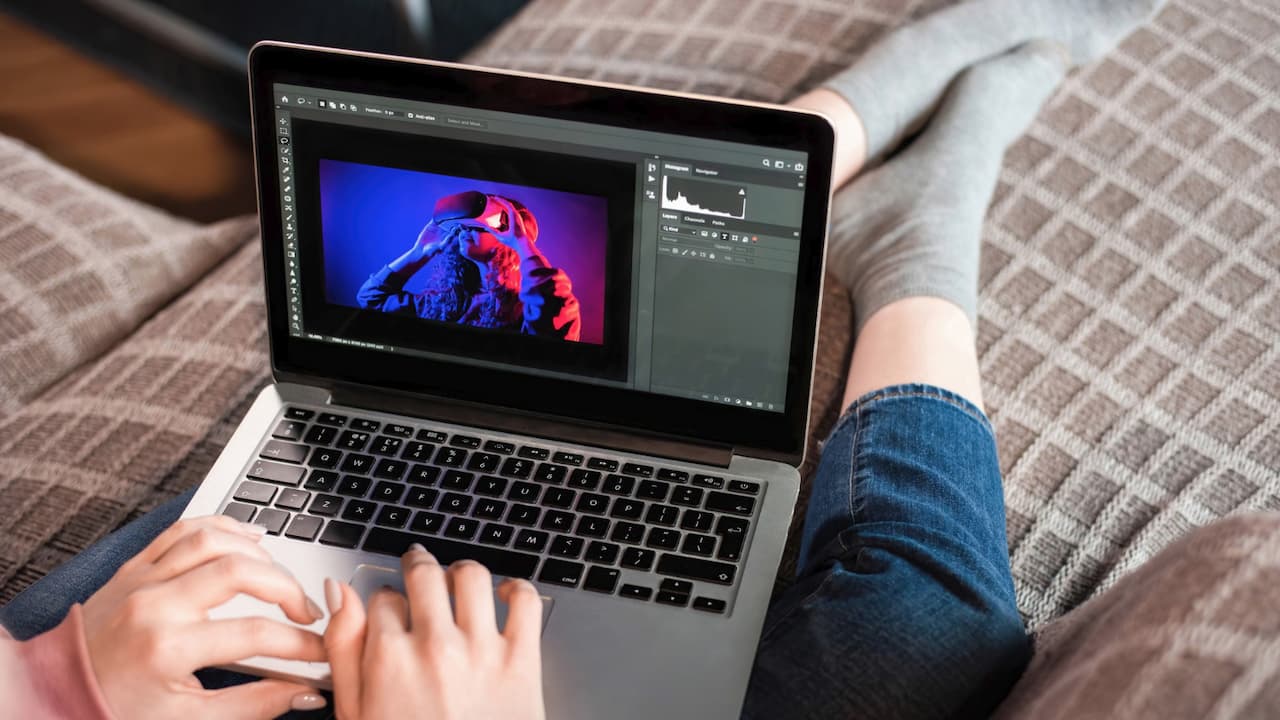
(700, 196)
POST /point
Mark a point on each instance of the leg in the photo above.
(891, 90)
(905, 606)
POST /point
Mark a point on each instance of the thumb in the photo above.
(264, 699)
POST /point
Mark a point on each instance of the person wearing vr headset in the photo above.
(484, 270)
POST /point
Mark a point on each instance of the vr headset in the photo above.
(474, 209)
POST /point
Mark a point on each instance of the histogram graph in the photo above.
(699, 196)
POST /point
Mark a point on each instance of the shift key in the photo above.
(693, 569)
(276, 473)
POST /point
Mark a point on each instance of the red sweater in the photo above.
(49, 676)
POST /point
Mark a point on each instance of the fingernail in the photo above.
(314, 609)
(308, 701)
(332, 595)
(252, 530)
(418, 546)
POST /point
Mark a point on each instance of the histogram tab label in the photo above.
(702, 196)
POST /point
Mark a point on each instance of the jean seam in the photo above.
(916, 391)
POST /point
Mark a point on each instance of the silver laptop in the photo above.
(565, 329)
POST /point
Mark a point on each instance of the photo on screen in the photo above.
(461, 254)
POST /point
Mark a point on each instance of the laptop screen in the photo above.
(608, 256)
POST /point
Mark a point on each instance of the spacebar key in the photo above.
(499, 562)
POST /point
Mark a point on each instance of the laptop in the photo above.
(563, 328)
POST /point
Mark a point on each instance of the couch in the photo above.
(1129, 334)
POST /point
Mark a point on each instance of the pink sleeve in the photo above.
(49, 676)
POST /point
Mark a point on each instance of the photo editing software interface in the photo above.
(616, 256)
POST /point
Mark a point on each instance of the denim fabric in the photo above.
(904, 604)
(903, 607)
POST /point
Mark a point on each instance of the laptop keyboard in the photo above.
(583, 520)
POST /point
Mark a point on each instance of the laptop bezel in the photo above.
(748, 431)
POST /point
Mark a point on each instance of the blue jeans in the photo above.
(903, 606)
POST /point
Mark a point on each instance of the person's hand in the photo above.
(429, 242)
(516, 235)
(147, 629)
(416, 653)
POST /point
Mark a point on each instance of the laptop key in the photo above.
(483, 462)
(320, 435)
(601, 579)
(491, 485)
(733, 536)
(638, 558)
(359, 510)
(695, 569)
(426, 522)
(499, 561)
(434, 436)
(276, 472)
(558, 521)
(592, 526)
(683, 587)
(666, 539)
(353, 485)
(294, 413)
(451, 457)
(695, 544)
(498, 446)
(603, 464)
(532, 540)
(418, 451)
(688, 496)
(559, 497)
(496, 534)
(341, 534)
(567, 546)
(289, 430)
(388, 492)
(455, 503)
(523, 515)
(567, 458)
(327, 505)
(742, 486)
(392, 516)
(602, 552)
(524, 492)
(401, 431)
(239, 511)
(678, 476)
(461, 528)
(534, 453)
(561, 572)
(386, 445)
(457, 480)
(661, 515)
(322, 480)
(358, 464)
(423, 474)
(304, 527)
(707, 604)
(709, 481)
(325, 458)
(465, 441)
(420, 497)
(284, 451)
(517, 468)
(629, 533)
(390, 469)
(627, 509)
(637, 469)
(255, 492)
(636, 592)
(667, 597)
(592, 503)
(653, 490)
(332, 419)
(550, 473)
(584, 479)
(366, 425)
(730, 503)
(353, 440)
(489, 509)
(696, 520)
(292, 499)
(619, 485)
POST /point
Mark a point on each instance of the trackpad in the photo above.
(368, 579)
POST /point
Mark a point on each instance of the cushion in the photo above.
(81, 267)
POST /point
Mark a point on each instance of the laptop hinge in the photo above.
(523, 422)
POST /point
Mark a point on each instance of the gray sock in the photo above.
(913, 226)
(896, 83)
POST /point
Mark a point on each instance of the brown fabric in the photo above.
(1130, 297)
(81, 267)
(1194, 633)
(146, 421)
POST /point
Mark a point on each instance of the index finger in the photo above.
(217, 581)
